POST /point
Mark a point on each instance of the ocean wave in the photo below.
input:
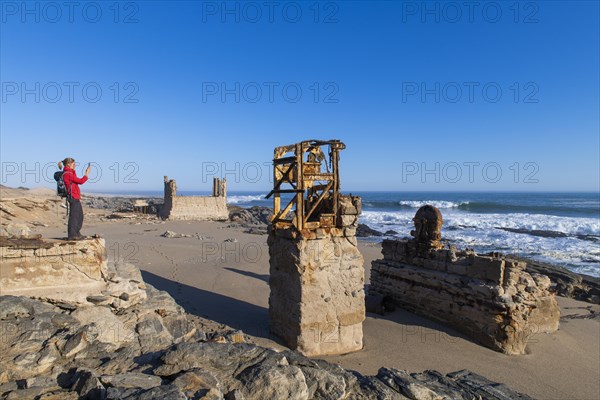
(435, 203)
(589, 209)
(481, 232)
(244, 198)
(567, 208)
(460, 221)
(529, 222)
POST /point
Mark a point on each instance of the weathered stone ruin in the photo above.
(488, 298)
(62, 270)
(199, 208)
(32, 264)
(316, 304)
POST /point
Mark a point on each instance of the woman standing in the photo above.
(72, 183)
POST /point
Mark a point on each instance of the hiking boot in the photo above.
(78, 237)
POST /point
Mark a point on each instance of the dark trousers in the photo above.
(75, 218)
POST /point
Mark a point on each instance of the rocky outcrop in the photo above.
(20, 215)
(143, 347)
(567, 283)
(101, 349)
(255, 219)
(252, 216)
(363, 230)
(491, 299)
(154, 350)
(57, 269)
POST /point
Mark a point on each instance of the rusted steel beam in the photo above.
(314, 178)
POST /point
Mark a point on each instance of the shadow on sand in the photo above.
(250, 318)
(261, 277)
(254, 320)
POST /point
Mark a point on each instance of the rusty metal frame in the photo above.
(298, 174)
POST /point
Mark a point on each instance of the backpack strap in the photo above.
(68, 189)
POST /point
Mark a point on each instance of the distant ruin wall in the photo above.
(199, 208)
(490, 299)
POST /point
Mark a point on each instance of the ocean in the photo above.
(559, 228)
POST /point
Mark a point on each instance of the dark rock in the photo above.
(55, 354)
(235, 394)
(366, 231)
(99, 300)
(482, 387)
(566, 283)
(75, 344)
(21, 307)
(223, 359)
(253, 216)
(88, 386)
(165, 392)
(535, 232)
(113, 393)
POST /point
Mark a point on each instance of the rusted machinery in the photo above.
(311, 177)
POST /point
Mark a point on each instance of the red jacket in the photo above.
(72, 182)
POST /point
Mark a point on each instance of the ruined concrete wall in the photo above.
(317, 295)
(42, 267)
(490, 299)
(199, 208)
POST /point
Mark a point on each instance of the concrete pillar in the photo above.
(317, 300)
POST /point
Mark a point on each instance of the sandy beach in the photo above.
(222, 273)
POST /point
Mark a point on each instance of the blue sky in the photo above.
(426, 96)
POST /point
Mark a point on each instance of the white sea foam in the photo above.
(435, 203)
(480, 232)
(457, 220)
(243, 198)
